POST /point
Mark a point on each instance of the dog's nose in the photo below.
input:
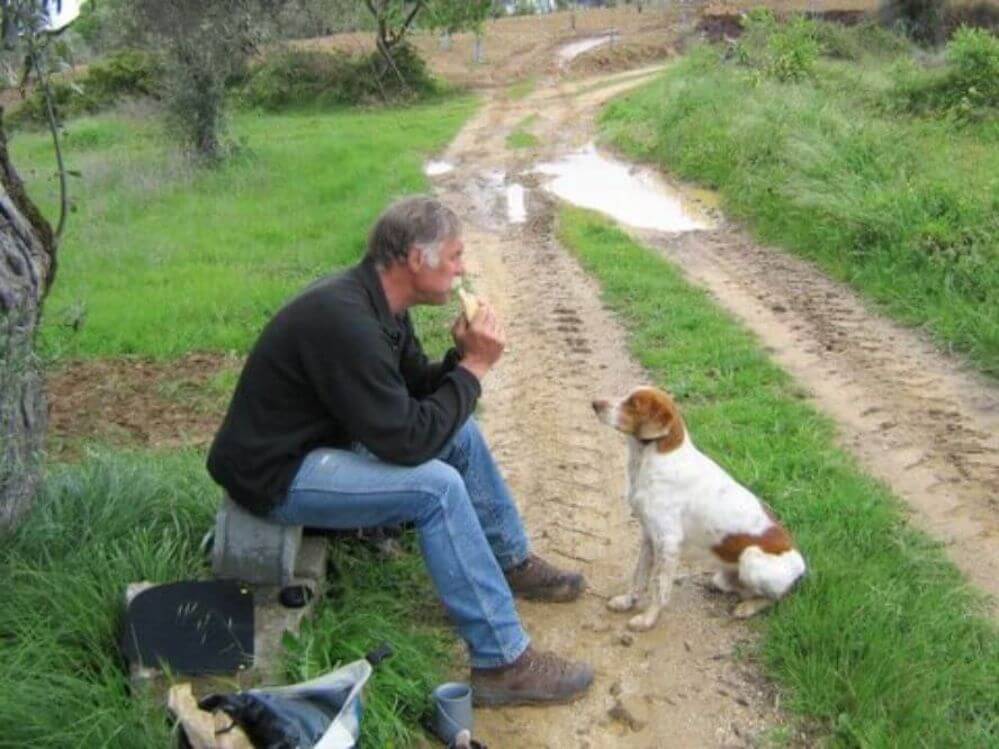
(599, 405)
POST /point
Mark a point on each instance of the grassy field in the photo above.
(827, 161)
(161, 260)
(882, 645)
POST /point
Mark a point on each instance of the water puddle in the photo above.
(569, 51)
(634, 196)
(516, 211)
(435, 168)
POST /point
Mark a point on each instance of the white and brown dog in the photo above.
(687, 503)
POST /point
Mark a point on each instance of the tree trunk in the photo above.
(27, 267)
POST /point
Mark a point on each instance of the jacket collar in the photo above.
(367, 273)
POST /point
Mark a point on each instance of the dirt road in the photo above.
(911, 416)
(680, 684)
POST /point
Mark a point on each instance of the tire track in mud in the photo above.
(680, 684)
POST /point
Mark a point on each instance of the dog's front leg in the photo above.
(664, 570)
(639, 582)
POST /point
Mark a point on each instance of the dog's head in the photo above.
(647, 414)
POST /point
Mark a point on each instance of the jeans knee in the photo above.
(444, 487)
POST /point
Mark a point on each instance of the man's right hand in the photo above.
(481, 341)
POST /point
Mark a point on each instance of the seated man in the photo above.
(340, 421)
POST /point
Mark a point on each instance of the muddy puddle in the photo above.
(435, 168)
(634, 196)
(516, 211)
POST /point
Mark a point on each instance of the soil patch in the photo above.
(138, 402)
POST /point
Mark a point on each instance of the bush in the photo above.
(785, 51)
(127, 73)
(854, 43)
(297, 78)
(974, 57)
(966, 88)
(982, 15)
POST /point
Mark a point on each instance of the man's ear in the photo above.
(416, 260)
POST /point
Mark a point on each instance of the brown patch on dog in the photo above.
(774, 540)
(652, 415)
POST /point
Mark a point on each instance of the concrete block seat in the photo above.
(249, 548)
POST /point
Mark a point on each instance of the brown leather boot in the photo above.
(533, 679)
(537, 580)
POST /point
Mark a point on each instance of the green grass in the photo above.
(161, 259)
(522, 89)
(882, 645)
(521, 139)
(121, 518)
(904, 208)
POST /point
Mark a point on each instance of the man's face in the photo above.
(434, 284)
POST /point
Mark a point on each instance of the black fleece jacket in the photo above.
(334, 367)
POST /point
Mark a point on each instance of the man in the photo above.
(340, 421)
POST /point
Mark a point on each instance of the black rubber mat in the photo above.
(203, 627)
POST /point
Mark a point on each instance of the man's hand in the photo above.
(481, 341)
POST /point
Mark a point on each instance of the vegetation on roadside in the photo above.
(164, 260)
(127, 73)
(119, 518)
(521, 89)
(878, 167)
(300, 78)
(882, 644)
(521, 139)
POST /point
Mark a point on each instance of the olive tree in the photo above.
(203, 45)
(27, 270)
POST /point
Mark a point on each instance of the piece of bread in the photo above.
(469, 304)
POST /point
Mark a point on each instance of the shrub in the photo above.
(981, 15)
(974, 57)
(296, 78)
(967, 87)
(123, 74)
(863, 40)
(128, 72)
(785, 51)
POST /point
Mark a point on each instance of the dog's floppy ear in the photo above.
(655, 414)
(659, 425)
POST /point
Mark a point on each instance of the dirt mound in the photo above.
(626, 56)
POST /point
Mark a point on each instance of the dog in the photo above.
(687, 503)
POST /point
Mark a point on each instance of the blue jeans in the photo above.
(469, 527)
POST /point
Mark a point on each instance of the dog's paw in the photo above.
(751, 607)
(643, 622)
(625, 602)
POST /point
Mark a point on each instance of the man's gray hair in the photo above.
(418, 220)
